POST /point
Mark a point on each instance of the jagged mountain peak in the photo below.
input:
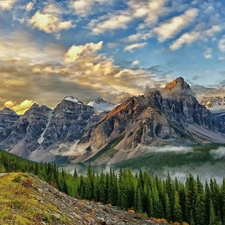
(72, 99)
(178, 86)
(35, 106)
(101, 105)
(7, 110)
(100, 100)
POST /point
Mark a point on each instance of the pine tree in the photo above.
(190, 199)
(137, 201)
(200, 217)
(177, 212)
(212, 215)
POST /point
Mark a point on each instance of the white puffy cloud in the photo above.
(207, 53)
(221, 44)
(134, 46)
(113, 22)
(175, 25)
(50, 23)
(7, 4)
(188, 38)
(150, 11)
(84, 7)
(77, 51)
(29, 6)
(139, 36)
(135, 63)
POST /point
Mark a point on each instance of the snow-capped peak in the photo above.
(100, 105)
(72, 99)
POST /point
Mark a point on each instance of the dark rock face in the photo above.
(68, 123)
(43, 128)
(28, 128)
(159, 115)
(211, 102)
(7, 119)
(169, 115)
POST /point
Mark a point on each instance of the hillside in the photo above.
(25, 199)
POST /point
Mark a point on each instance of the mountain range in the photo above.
(100, 132)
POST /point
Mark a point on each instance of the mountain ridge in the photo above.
(170, 115)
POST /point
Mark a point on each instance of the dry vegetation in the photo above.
(20, 206)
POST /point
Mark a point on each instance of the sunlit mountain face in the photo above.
(109, 48)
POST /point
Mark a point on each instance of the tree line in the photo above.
(195, 202)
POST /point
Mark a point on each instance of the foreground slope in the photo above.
(27, 200)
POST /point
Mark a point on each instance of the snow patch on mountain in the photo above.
(100, 105)
(72, 99)
(41, 139)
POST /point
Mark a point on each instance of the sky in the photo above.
(113, 49)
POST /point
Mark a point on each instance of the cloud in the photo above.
(188, 38)
(168, 148)
(218, 153)
(76, 52)
(7, 4)
(19, 108)
(135, 63)
(221, 44)
(84, 7)
(196, 77)
(149, 11)
(29, 6)
(168, 29)
(139, 36)
(50, 23)
(207, 53)
(145, 11)
(113, 22)
(134, 46)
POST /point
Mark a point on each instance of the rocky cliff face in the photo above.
(26, 130)
(68, 122)
(41, 129)
(7, 119)
(213, 102)
(171, 115)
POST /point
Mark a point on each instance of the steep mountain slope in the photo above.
(32, 201)
(41, 129)
(169, 116)
(7, 119)
(25, 131)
